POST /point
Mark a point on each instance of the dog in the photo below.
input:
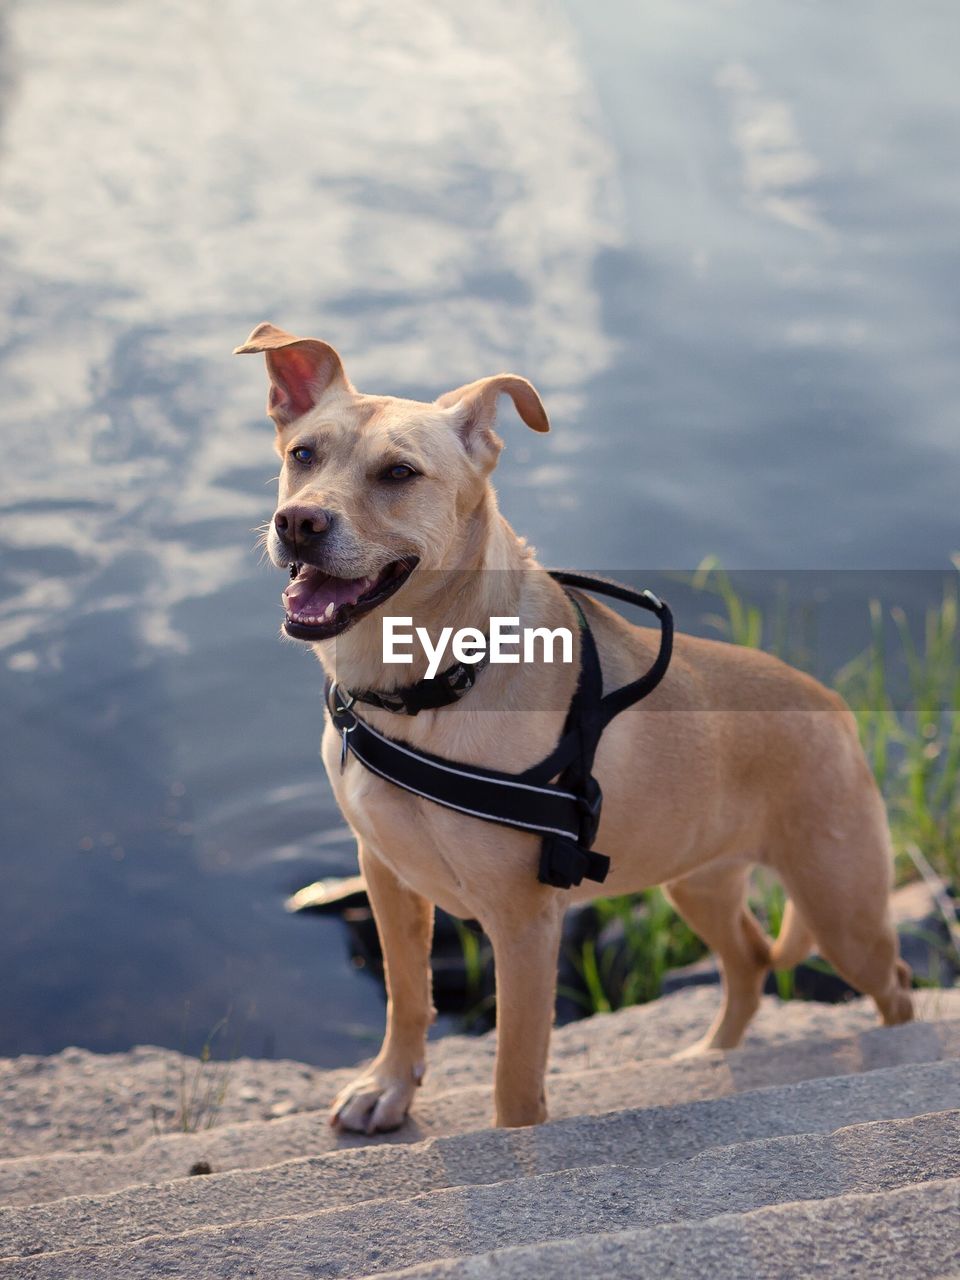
(736, 759)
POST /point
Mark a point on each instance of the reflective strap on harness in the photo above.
(481, 793)
(567, 812)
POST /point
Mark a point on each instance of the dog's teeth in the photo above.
(328, 612)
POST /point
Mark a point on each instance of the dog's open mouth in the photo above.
(319, 605)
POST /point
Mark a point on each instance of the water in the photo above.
(720, 238)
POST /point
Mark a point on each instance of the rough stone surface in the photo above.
(34, 1179)
(390, 1234)
(904, 1234)
(665, 1026)
(348, 1177)
(751, 1163)
(76, 1100)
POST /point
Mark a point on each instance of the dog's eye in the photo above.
(400, 471)
(301, 454)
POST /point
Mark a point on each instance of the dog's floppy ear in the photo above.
(477, 405)
(301, 371)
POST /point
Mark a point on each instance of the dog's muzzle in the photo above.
(320, 605)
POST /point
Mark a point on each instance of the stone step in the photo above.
(380, 1170)
(667, 1025)
(76, 1100)
(907, 1233)
(466, 1220)
(349, 1178)
(653, 1083)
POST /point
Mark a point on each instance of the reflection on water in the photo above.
(718, 238)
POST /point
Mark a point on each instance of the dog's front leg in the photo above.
(525, 949)
(380, 1097)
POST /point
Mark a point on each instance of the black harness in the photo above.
(566, 813)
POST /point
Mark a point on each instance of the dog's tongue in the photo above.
(312, 591)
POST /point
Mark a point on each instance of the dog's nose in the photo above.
(302, 526)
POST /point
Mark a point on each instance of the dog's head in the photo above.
(372, 487)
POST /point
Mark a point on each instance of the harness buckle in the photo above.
(564, 864)
(590, 802)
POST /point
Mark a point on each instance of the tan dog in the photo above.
(735, 759)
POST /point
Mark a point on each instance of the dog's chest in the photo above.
(410, 834)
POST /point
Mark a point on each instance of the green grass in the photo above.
(912, 742)
(202, 1084)
(203, 1088)
(914, 748)
(476, 957)
(648, 928)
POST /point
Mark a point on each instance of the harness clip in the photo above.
(564, 864)
(590, 801)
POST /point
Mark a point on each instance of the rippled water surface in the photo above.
(720, 238)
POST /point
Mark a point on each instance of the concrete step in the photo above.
(654, 1083)
(909, 1233)
(77, 1100)
(639, 1137)
(350, 1179)
(388, 1234)
(667, 1025)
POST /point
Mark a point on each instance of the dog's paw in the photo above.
(698, 1049)
(376, 1102)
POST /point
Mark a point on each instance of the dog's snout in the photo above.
(302, 526)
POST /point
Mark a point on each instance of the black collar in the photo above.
(423, 695)
(450, 686)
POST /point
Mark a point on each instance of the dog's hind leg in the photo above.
(380, 1097)
(526, 946)
(713, 902)
(840, 882)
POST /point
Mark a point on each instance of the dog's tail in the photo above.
(794, 942)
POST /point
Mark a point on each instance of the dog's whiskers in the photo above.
(261, 542)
